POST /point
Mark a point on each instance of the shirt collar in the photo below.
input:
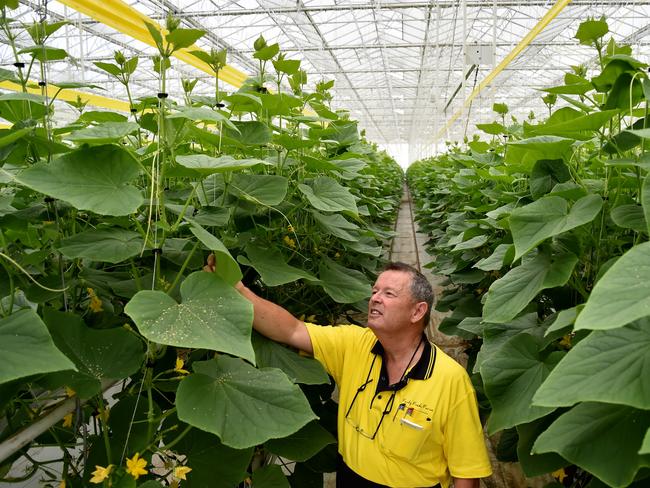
(421, 371)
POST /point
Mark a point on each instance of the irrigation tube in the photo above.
(33, 430)
(550, 15)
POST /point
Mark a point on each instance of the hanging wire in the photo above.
(469, 109)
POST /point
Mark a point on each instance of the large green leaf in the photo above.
(299, 369)
(603, 439)
(208, 165)
(502, 254)
(303, 444)
(591, 30)
(202, 449)
(526, 151)
(244, 406)
(272, 267)
(202, 114)
(344, 285)
(27, 348)
(622, 294)
(270, 476)
(248, 133)
(45, 53)
(365, 245)
(546, 174)
(11, 135)
(328, 195)
(336, 225)
(581, 377)
(212, 315)
(549, 216)
(96, 179)
(511, 377)
(645, 447)
(630, 217)
(103, 133)
(509, 295)
(226, 267)
(260, 189)
(645, 200)
(184, 38)
(106, 245)
(16, 107)
(590, 122)
(537, 464)
(99, 353)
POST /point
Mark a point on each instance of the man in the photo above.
(407, 411)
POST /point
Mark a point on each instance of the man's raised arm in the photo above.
(272, 320)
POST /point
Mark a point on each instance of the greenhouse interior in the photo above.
(324, 243)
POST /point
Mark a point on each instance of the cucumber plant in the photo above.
(106, 223)
(543, 232)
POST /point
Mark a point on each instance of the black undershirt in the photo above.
(346, 478)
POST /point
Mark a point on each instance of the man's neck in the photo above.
(399, 349)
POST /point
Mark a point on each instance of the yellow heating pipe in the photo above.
(550, 15)
(71, 96)
(127, 20)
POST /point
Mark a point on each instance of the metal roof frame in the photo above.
(399, 66)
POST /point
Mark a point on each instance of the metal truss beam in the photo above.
(301, 8)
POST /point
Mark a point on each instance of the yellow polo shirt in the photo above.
(425, 430)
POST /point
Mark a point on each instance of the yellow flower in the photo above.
(67, 420)
(337, 255)
(181, 471)
(179, 366)
(95, 302)
(289, 242)
(290, 228)
(70, 392)
(62, 484)
(100, 474)
(566, 341)
(103, 415)
(559, 475)
(135, 466)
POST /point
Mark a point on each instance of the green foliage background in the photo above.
(543, 233)
(106, 223)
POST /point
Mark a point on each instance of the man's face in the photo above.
(391, 304)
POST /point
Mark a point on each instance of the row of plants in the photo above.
(543, 231)
(106, 223)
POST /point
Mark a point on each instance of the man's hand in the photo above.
(210, 264)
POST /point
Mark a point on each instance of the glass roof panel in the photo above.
(399, 66)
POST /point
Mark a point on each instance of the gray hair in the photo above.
(420, 287)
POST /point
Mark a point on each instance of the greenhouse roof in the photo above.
(405, 69)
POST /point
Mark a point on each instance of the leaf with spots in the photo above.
(107, 353)
(27, 348)
(212, 315)
(244, 406)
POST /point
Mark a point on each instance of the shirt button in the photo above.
(379, 396)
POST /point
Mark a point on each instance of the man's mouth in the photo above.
(374, 312)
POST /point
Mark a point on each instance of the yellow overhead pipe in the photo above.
(126, 19)
(70, 96)
(550, 15)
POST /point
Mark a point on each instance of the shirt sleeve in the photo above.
(332, 344)
(464, 440)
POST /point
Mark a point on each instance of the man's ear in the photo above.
(419, 311)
